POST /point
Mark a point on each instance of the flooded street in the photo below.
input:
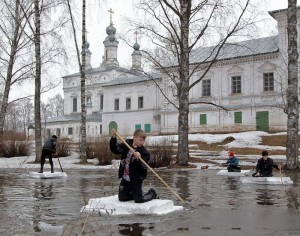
(215, 205)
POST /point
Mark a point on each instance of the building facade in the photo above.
(247, 83)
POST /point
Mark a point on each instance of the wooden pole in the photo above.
(141, 159)
(60, 164)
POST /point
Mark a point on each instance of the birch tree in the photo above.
(81, 64)
(176, 27)
(292, 90)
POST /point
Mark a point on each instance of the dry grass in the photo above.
(278, 140)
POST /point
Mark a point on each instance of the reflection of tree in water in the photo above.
(131, 229)
(2, 195)
(265, 197)
(293, 193)
(182, 184)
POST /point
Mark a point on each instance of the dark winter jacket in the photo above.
(232, 161)
(50, 144)
(265, 165)
(137, 171)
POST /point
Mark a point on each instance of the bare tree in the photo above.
(25, 111)
(176, 28)
(37, 87)
(292, 90)
(81, 64)
(13, 122)
(56, 106)
(15, 62)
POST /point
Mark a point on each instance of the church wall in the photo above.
(252, 99)
(128, 119)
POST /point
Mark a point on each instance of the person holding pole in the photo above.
(131, 170)
(49, 149)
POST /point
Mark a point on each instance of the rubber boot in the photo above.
(41, 170)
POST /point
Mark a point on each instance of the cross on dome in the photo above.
(111, 12)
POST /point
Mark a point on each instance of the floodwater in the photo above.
(215, 205)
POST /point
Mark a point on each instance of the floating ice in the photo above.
(242, 173)
(266, 180)
(112, 206)
(48, 175)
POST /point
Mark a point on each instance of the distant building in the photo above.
(249, 80)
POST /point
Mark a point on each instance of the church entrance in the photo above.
(114, 125)
(262, 121)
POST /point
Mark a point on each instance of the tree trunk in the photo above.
(292, 91)
(37, 95)
(9, 74)
(82, 85)
(183, 87)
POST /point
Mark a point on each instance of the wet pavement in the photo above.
(215, 205)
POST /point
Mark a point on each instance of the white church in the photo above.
(248, 80)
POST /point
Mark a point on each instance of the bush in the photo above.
(15, 148)
(100, 149)
(24, 148)
(11, 135)
(63, 149)
(161, 152)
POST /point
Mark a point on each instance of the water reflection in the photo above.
(265, 196)
(53, 207)
(182, 184)
(131, 229)
(233, 186)
(232, 183)
(43, 190)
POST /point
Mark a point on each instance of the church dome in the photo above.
(112, 38)
(136, 46)
(110, 30)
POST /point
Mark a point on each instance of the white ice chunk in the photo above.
(266, 180)
(242, 173)
(48, 175)
(112, 206)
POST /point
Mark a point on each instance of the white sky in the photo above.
(98, 19)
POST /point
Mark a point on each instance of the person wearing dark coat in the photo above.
(265, 166)
(232, 163)
(49, 149)
(132, 171)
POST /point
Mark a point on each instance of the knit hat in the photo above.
(231, 153)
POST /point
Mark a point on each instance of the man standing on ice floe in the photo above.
(131, 169)
(49, 149)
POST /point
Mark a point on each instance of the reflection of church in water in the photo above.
(249, 80)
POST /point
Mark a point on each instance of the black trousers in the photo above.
(233, 168)
(46, 154)
(133, 191)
